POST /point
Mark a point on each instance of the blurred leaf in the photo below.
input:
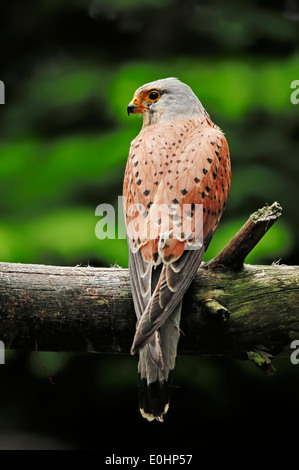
(116, 372)
(65, 85)
(48, 169)
(69, 233)
(229, 86)
(126, 4)
(262, 183)
(277, 243)
(9, 242)
(48, 364)
(17, 158)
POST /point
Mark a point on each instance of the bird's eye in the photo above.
(154, 95)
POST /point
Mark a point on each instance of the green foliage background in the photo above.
(70, 69)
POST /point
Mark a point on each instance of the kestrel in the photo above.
(176, 186)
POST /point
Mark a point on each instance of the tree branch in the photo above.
(91, 309)
(235, 252)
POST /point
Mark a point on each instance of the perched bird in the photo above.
(175, 190)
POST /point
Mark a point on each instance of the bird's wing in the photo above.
(142, 285)
(140, 274)
(173, 282)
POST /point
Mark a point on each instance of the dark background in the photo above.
(70, 68)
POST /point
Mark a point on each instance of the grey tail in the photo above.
(155, 378)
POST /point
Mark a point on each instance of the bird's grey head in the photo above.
(165, 100)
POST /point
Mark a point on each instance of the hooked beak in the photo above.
(134, 107)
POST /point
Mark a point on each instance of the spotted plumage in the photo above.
(176, 186)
